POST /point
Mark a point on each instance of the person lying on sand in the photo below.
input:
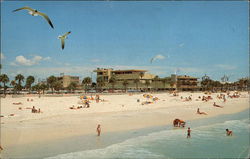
(18, 103)
(146, 103)
(198, 112)
(73, 107)
(215, 105)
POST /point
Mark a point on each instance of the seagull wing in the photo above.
(47, 18)
(27, 8)
(62, 42)
(67, 34)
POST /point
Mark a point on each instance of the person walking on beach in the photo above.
(188, 132)
(229, 132)
(98, 130)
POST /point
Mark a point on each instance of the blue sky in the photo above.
(195, 37)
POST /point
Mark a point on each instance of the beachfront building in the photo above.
(132, 79)
(67, 79)
(185, 83)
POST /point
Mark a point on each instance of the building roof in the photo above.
(186, 77)
(129, 71)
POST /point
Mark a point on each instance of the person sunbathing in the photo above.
(215, 105)
(198, 112)
(73, 107)
(18, 103)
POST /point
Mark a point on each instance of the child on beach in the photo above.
(98, 129)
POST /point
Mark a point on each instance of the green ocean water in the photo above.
(208, 140)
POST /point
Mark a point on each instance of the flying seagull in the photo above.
(63, 37)
(157, 57)
(34, 12)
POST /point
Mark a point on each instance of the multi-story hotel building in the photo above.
(120, 75)
(182, 83)
(66, 80)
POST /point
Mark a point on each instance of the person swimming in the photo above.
(229, 132)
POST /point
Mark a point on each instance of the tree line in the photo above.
(54, 84)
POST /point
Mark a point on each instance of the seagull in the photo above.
(34, 12)
(63, 37)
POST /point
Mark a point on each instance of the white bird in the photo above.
(63, 37)
(34, 12)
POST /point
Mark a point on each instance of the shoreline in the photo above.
(59, 123)
(78, 143)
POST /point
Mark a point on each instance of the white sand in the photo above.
(116, 113)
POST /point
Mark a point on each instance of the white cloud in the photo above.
(47, 58)
(2, 56)
(225, 67)
(23, 61)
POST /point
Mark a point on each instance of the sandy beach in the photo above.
(114, 113)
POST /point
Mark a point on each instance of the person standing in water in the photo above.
(98, 130)
(188, 132)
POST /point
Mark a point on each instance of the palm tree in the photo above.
(51, 82)
(20, 79)
(58, 86)
(72, 86)
(43, 87)
(125, 83)
(100, 82)
(86, 82)
(4, 79)
(147, 83)
(29, 81)
(112, 81)
(37, 88)
(13, 83)
(136, 81)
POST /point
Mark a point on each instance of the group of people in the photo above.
(31, 100)
(228, 132)
(206, 98)
(187, 98)
(34, 110)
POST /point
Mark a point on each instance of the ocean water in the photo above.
(208, 140)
